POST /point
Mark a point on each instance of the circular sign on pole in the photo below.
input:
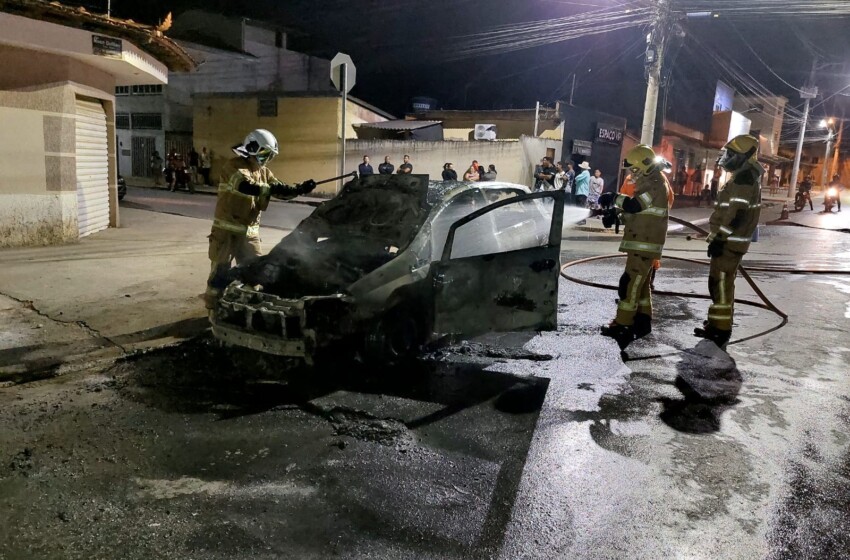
(343, 63)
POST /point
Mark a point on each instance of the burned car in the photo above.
(395, 261)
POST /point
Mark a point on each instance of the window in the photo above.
(513, 227)
(146, 121)
(122, 120)
(122, 90)
(267, 107)
(147, 90)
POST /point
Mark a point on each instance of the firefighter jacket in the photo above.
(236, 212)
(645, 216)
(736, 212)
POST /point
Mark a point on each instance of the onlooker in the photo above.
(193, 165)
(170, 158)
(570, 185)
(471, 175)
(582, 188)
(206, 165)
(386, 168)
(156, 167)
(681, 180)
(476, 166)
(489, 175)
(597, 185)
(696, 183)
(364, 168)
(544, 175)
(715, 183)
(449, 174)
(560, 179)
(406, 168)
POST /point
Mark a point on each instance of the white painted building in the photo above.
(234, 56)
(57, 141)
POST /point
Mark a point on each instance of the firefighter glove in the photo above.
(307, 186)
(609, 217)
(715, 248)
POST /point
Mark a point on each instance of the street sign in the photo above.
(339, 63)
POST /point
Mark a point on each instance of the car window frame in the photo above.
(554, 236)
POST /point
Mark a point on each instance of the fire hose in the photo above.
(765, 303)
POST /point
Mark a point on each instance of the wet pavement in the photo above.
(517, 446)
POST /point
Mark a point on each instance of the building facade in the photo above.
(234, 56)
(307, 126)
(58, 173)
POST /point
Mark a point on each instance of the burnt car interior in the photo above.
(372, 221)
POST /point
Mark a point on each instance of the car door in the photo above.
(499, 268)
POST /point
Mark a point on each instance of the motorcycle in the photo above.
(122, 187)
(830, 199)
(800, 199)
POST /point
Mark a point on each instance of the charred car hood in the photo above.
(367, 225)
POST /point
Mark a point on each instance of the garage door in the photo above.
(92, 168)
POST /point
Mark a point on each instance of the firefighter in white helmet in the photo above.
(645, 219)
(244, 192)
(733, 222)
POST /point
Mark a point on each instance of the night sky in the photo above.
(399, 46)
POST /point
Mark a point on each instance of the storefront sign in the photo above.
(607, 134)
(109, 47)
(582, 147)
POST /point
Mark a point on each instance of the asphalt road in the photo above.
(280, 214)
(519, 446)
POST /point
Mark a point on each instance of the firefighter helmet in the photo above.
(641, 160)
(261, 144)
(737, 151)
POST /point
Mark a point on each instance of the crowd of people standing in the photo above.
(475, 172)
(182, 171)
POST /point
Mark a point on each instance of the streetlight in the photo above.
(829, 125)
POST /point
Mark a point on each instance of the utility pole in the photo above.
(833, 168)
(573, 89)
(808, 93)
(830, 135)
(655, 44)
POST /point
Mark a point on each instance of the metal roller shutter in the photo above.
(92, 168)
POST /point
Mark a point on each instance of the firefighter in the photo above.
(735, 217)
(244, 192)
(645, 219)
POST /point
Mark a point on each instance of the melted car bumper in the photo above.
(275, 325)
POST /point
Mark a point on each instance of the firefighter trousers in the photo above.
(721, 286)
(634, 291)
(225, 247)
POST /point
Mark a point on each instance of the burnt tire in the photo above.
(396, 337)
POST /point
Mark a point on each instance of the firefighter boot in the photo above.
(717, 336)
(622, 334)
(642, 326)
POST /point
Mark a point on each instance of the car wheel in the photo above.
(397, 336)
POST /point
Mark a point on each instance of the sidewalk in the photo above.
(147, 183)
(118, 290)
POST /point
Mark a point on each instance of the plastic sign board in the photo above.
(607, 134)
(343, 61)
(109, 47)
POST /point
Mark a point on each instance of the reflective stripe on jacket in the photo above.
(236, 212)
(737, 210)
(646, 231)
